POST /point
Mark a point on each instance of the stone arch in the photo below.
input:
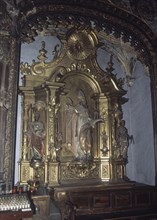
(110, 20)
(105, 16)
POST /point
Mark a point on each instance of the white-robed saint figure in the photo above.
(84, 126)
(75, 117)
(79, 126)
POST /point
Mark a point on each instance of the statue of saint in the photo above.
(36, 135)
(122, 139)
(79, 126)
(82, 130)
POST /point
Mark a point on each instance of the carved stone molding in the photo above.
(11, 114)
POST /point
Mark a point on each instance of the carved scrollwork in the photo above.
(38, 68)
(80, 170)
(79, 67)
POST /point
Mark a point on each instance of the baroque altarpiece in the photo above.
(73, 130)
(72, 121)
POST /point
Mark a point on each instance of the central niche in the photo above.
(78, 118)
(78, 122)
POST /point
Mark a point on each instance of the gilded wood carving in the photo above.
(73, 126)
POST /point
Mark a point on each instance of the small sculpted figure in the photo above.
(36, 135)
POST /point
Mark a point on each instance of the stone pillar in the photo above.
(3, 113)
(9, 58)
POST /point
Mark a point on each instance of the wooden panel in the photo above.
(102, 201)
(17, 215)
(142, 198)
(154, 197)
(122, 200)
(82, 202)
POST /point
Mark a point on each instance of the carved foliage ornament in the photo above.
(60, 24)
(80, 170)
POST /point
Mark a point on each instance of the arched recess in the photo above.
(108, 22)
